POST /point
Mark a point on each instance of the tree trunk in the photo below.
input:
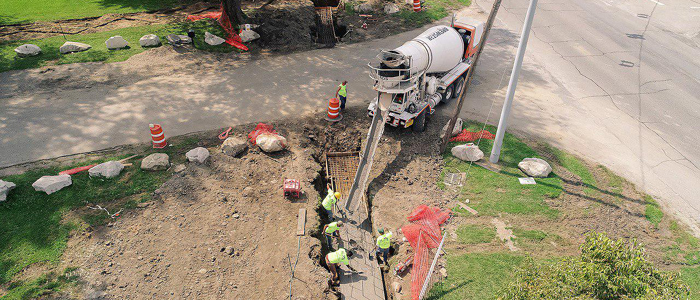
(232, 9)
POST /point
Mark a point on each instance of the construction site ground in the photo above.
(175, 242)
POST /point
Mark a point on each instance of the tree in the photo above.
(232, 9)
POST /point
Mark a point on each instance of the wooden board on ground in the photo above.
(469, 209)
(301, 221)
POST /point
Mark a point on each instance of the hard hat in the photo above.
(337, 195)
(340, 223)
(380, 230)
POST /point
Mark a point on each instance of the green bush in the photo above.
(606, 269)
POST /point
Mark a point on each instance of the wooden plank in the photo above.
(301, 221)
(469, 209)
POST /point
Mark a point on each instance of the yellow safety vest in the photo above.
(329, 201)
(338, 257)
(384, 241)
(332, 227)
(343, 92)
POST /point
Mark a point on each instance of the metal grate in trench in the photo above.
(340, 170)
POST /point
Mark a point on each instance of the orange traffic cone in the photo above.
(334, 110)
(158, 136)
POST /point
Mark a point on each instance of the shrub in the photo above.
(606, 269)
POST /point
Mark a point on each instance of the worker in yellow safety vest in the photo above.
(331, 230)
(383, 245)
(333, 261)
(329, 201)
(342, 94)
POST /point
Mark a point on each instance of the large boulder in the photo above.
(52, 184)
(116, 42)
(149, 40)
(535, 167)
(391, 8)
(249, 35)
(213, 39)
(155, 162)
(364, 8)
(108, 169)
(28, 50)
(5, 188)
(468, 152)
(198, 155)
(70, 47)
(185, 39)
(234, 146)
(455, 130)
(270, 142)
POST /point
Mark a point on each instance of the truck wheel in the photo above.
(419, 122)
(448, 94)
(459, 86)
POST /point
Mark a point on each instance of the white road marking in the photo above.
(657, 2)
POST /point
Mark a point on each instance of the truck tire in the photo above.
(419, 123)
(448, 94)
(459, 85)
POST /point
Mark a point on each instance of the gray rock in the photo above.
(173, 39)
(70, 47)
(52, 184)
(249, 35)
(443, 272)
(155, 162)
(198, 155)
(270, 142)
(5, 188)
(28, 50)
(179, 168)
(213, 39)
(455, 130)
(234, 146)
(396, 286)
(184, 39)
(535, 167)
(391, 8)
(108, 169)
(116, 42)
(229, 250)
(468, 152)
(363, 8)
(149, 40)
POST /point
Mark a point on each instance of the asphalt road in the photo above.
(614, 81)
(619, 82)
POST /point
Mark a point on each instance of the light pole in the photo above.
(513, 83)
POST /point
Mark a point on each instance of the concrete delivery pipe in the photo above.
(438, 49)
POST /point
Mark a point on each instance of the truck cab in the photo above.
(415, 77)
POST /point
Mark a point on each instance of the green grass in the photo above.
(614, 182)
(494, 193)
(51, 56)
(652, 211)
(532, 235)
(432, 10)
(475, 234)
(576, 166)
(691, 277)
(44, 284)
(476, 276)
(25, 11)
(33, 227)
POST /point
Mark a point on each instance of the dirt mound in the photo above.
(284, 27)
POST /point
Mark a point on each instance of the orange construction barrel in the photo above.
(334, 110)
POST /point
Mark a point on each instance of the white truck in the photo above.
(431, 68)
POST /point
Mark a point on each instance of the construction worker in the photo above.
(331, 231)
(383, 245)
(329, 201)
(342, 94)
(333, 261)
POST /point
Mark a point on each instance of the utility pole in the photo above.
(513, 83)
(463, 93)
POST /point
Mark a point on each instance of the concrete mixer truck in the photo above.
(414, 78)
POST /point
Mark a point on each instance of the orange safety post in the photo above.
(416, 5)
(158, 136)
(334, 110)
